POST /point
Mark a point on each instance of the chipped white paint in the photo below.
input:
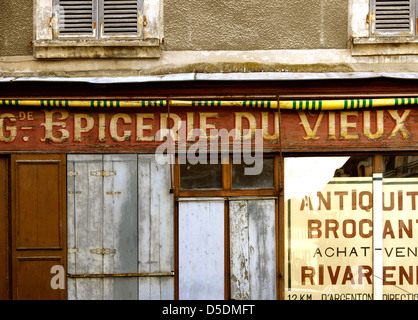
(357, 18)
(153, 13)
(120, 232)
(155, 229)
(253, 249)
(42, 18)
(201, 249)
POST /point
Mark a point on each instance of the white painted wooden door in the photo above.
(201, 249)
(119, 222)
(252, 249)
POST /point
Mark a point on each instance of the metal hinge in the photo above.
(103, 173)
(72, 173)
(72, 250)
(113, 192)
(103, 251)
(74, 192)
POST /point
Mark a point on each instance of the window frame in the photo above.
(47, 46)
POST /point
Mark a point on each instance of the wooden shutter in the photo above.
(38, 224)
(120, 18)
(103, 226)
(120, 228)
(76, 18)
(393, 17)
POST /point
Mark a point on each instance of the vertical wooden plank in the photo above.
(144, 227)
(262, 248)
(253, 249)
(71, 252)
(88, 225)
(201, 249)
(4, 230)
(155, 225)
(120, 225)
(240, 282)
(162, 205)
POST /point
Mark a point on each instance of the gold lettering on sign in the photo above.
(345, 125)
(102, 127)
(140, 126)
(400, 126)
(310, 133)
(331, 125)
(164, 131)
(78, 129)
(49, 124)
(265, 126)
(239, 116)
(114, 127)
(379, 124)
(204, 126)
(12, 129)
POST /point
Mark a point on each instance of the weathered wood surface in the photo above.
(62, 130)
(117, 226)
(201, 249)
(155, 223)
(252, 249)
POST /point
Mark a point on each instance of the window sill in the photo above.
(384, 45)
(94, 49)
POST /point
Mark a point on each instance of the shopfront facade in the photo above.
(210, 190)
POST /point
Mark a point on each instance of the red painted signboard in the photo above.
(124, 130)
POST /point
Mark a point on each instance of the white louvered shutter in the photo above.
(121, 18)
(76, 18)
(393, 17)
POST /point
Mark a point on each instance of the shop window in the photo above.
(400, 227)
(262, 180)
(201, 176)
(329, 228)
(235, 174)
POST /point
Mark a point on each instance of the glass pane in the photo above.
(201, 176)
(263, 180)
(328, 228)
(400, 227)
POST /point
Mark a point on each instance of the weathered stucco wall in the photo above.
(255, 25)
(16, 27)
(215, 25)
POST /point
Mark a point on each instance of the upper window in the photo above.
(108, 29)
(97, 19)
(393, 17)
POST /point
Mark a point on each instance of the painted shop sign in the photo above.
(329, 241)
(72, 129)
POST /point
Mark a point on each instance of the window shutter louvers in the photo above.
(120, 18)
(76, 18)
(392, 16)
